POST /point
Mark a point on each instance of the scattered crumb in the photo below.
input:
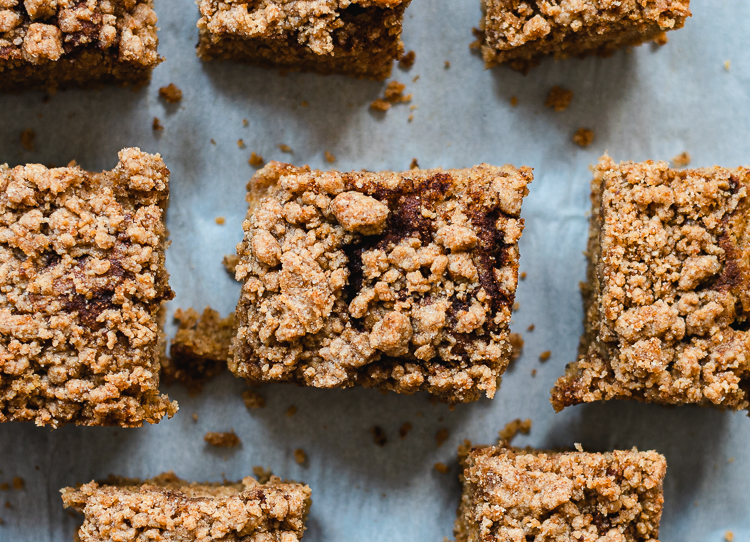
(523, 275)
(404, 429)
(245, 123)
(407, 60)
(441, 436)
(261, 474)
(213, 142)
(4, 486)
(414, 164)
(18, 482)
(516, 306)
(195, 416)
(411, 118)
(447, 65)
(220, 220)
(511, 429)
(394, 93)
(329, 157)
(729, 536)
(532, 327)
(661, 39)
(533, 373)
(583, 137)
(378, 435)
(256, 160)
(285, 148)
(253, 399)
(300, 456)
(442, 468)
(559, 98)
(222, 440)
(727, 65)
(156, 125)
(513, 101)
(380, 105)
(7, 504)
(544, 356)
(730, 460)
(291, 411)
(230, 262)
(578, 447)
(304, 103)
(27, 139)
(2, 521)
(171, 93)
(516, 343)
(241, 143)
(416, 78)
(681, 160)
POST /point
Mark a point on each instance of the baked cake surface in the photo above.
(167, 508)
(513, 495)
(352, 37)
(51, 44)
(82, 282)
(403, 281)
(666, 299)
(521, 32)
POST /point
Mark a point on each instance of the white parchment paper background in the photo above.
(648, 103)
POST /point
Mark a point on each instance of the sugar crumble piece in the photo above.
(441, 436)
(220, 220)
(447, 65)
(195, 416)
(512, 429)
(406, 62)
(411, 118)
(661, 39)
(213, 141)
(378, 435)
(330, 158)
(681, 160)
(253, 399)
(729, 536)
(544, 356)
(533, 373)
(230, 262)
(442, 468)
(27, 139)
(559, 98)
(300, 457)
(394, 93)
(414, 164)
(513, 101)
(522, 276)
(532, 327)
(727, 65)
(286, 148)
(380, 105)
(156, 125)
(516, 342)
(171, 93)
(583, 137)
(256, 160)
(415, 79)
(404, 429)
(5, 486)
(516, 306)
(241, 143)
(228, 439)
(245, 123)
(262, 475)
(291, 411)
(18, 483)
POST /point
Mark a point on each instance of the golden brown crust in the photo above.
(521, 32)
(403, 281)
(518, 495)
(166, 507)
(50, 44)
(667, 297)
(82, 267)
(353, 37)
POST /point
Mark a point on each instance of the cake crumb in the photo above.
(222, 439)
(532, 327)
(394, 93)
(583, 137)
(18, 482)
(230, 262)
(661, 39)
(730, 460)
(442, 468)
(300, 456)
(533, 373)
(291, 411)
(578, 447)
(516, 343)
(559, 98)
(156, 125)
(511, 429)
(380, 105)
(5, 486)
(544, 356)
(523, 275)
(245, 123)
(447, 65)
(171, 93)
(253, 399)
(516, 306)
(378, 435)
(304, 103)
(220, 220)
(407, 60)
(414, 164)
(404, 429)
(213, 141)
(261, 474)
(195, 416)
(27, 139)
(729, 536)
(411, 118)
(727, 65)
(416, 78)
(330, 158)
(513, 101)
(681, 160)
(441, 436)
(241, 143)
(256, 160)
(286, 148)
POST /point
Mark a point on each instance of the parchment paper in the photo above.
(650, 103)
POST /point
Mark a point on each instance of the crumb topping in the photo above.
(403, 281)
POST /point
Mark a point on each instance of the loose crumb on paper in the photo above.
(544, 356)
(304, 103)
(245, 123)
(291, 411)
(447, 65)
(729, 536)
(523, 275)
(559, 98)
(727, 65)
(511, 429)
(404, 429)
(241, 143)
(300, 456)
(516, 343)
(171, 93)
(441, 436)
(195, 416)
(330, 158)
(256, 160)
(407, 60)
(380, 105)
(156, 125)
(394, 94)
(226, 439)
(681, 160)
(18, 482)
(220, 220)
(583, 137)
(285, 148)
(253, 399)
(27, 139)
(414, 164)
(661, 39)
(378, 435)
(442, 468)
(532, 327)
(513, 101)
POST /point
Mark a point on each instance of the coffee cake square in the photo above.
(82, 283)
(361, 38)
(666, 300)
(518, 495)
(402, 281)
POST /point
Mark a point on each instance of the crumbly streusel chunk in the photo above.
(354, 37)
(167, 508)
(667, 297)
(403, 281)
(82, 281)
(519, 32)
(519, 495)
(57, 43)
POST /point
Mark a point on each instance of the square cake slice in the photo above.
(361, 38)
(667, 300)
(518, 495)
(82, 282)
(52, 44)
(167, 508)
(402, 281)
(521, 32)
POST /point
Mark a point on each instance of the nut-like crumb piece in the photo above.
(222, 440)
(261, 474)
(544, 356)
(442, 468)
(230, 262)
(380, 105)
(681, 160)
(404, 429)
(407, 60)
(220, 220)
(441, 436)
(516, 341)
(171, 93)
(256, 160)
(27, 139)
(156, 125)
(330, 158)
(559, 98)
(18, 482)
(253, 399)
(285, 148)
(300, 456)
(291, 411)
(511, 429)
(378, 435)
(583, 137)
